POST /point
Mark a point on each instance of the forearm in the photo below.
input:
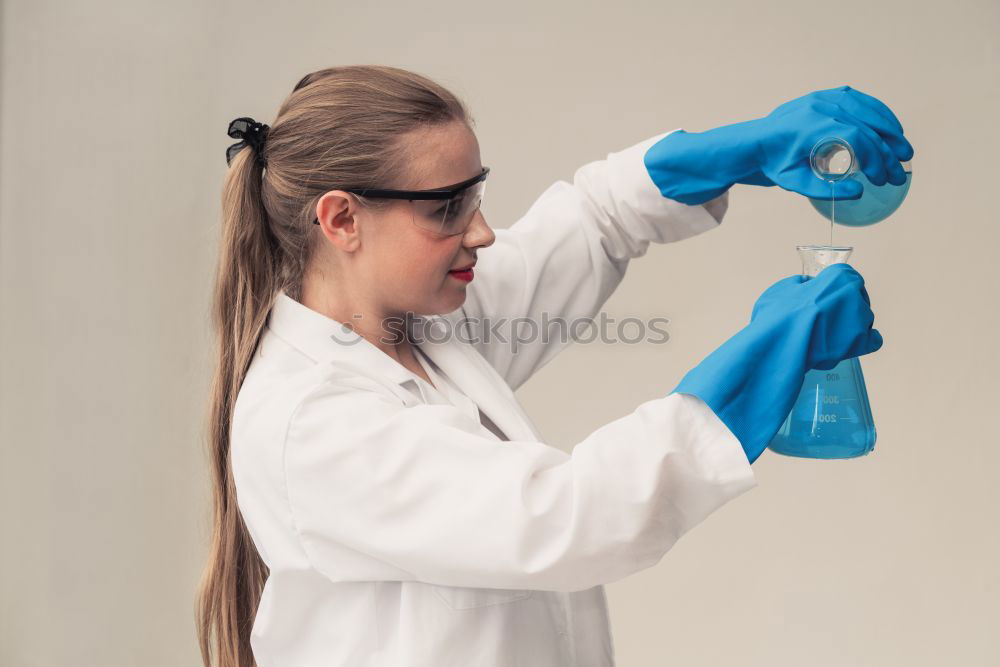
(695, 167)
(751, 381)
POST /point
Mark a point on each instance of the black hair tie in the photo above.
(250, 133)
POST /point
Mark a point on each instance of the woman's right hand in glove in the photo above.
(752, 380)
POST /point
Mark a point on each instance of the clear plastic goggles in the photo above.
(447, 217)
(443, 211)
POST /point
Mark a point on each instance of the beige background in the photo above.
(113, 119)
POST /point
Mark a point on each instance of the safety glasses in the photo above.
(444, 211)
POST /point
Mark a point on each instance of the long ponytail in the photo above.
(340, 127)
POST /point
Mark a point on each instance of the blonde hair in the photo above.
(340, 127)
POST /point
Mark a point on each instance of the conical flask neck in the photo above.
(815, 258)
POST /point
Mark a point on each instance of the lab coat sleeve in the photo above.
(423, 490)
(564, 258)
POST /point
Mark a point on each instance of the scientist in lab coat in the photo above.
(384, 501)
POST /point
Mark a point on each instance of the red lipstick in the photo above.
(464, 275)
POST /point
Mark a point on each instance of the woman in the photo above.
(380, 496)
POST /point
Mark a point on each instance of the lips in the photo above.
(464, 274)
(463, 268)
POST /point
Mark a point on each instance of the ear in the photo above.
(338, 214)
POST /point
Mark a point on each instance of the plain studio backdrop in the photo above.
(113, 141)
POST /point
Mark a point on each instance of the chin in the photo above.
(452, 303)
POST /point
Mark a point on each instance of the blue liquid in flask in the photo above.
(831, 418)
(832, 159)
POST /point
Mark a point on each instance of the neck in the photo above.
(389, 332)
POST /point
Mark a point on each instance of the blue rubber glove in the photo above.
(799, 323)
(694, 167)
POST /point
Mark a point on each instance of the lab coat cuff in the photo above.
(721, 447)
(651, 215)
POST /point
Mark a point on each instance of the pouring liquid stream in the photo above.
(833, 209)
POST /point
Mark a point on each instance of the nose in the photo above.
(479, 234)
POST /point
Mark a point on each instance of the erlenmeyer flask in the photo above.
(831, 418)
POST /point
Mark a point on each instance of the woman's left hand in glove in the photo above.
(695, 167)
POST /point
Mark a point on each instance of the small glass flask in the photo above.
(832, 159)
(831, 418)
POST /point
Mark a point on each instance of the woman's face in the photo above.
(399, 267)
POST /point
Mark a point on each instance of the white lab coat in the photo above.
(400, 531)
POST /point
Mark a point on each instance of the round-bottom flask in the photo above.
(833, 159)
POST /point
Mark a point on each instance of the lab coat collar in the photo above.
(326, 340)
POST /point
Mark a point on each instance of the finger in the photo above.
(845, 95)
(872, 154)
(900, 146)
(840, 271)
(879, 170)
(878, 105)
(890, 141)
(787, 280)
(833, 281)
(864, 295)
(873, 342)
(892, 168)
(870, 151)
(860, 107)
(841, 284)
(875, 339)
(826, 365)
(856, 275)
(802, 180)
(864, 315)
(855, 96)
(866, 342)
(847, 189)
